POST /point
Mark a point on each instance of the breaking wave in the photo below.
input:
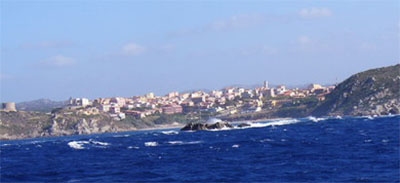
(184, 143)
(77, 144)
(83, 144)
(170, 132)
(315, 119)
(274, 123)
(150, 144)
(120, 136)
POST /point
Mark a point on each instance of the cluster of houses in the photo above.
(226, 101)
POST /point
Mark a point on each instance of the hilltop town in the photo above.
(221, 103)
(372, 92)
(116, 114)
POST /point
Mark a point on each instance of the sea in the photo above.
(332, 149)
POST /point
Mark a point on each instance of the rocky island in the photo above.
(211, 124)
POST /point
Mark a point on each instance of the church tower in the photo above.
(266, 85)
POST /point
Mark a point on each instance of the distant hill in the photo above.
(372, 92)
(40, 105)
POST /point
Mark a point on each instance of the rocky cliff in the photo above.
(21, 124)
(372, 92)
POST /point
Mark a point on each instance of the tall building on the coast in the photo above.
(8, 107)
(266, 85)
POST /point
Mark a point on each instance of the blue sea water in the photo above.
(291, 150)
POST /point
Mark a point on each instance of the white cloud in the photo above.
(269, 50)
(236, 21)
(315, 12)
(365, 46)
(303, 40)
(132, 49)
(59, 61)
(258, 50)
(4, 76)
(167, 48)
(47, 44)
(309, 44)
(232, 23)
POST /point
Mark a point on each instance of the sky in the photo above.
(103, 48)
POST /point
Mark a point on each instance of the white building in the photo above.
(83, 102)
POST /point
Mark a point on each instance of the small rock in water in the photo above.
(205, 126)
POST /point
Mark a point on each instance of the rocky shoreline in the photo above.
(369, 93)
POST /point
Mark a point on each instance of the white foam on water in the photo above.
(260, 124)
(118, 136)
(194, 142)
(77, 144)
(175, 142)
(366, 117)
(221, 129)
(184, 143)
(267, 140)
(385, 140)
(235, 146)
(338, 117)
(151, 144)
(99, 143)
(133, 147)
(80, 144)
(314, 119)
(276, 123)
(170, 132)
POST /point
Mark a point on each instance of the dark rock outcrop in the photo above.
(241, 125)
(205, 126)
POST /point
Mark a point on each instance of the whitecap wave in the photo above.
(91, 143)
(338, 117)
(315, 119)
(194, 142)
(170, 132)
(150, 144)
(119, 136)
(221, 129)
(99, 143)
(77, 144)
(175, 142)
(266, 140)
(235, 146)
(276, 123)
(272, 123)
(178, 142)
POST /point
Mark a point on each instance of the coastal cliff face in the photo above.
(21, 124)
(372, 92)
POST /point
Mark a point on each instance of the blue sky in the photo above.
(85, 48)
